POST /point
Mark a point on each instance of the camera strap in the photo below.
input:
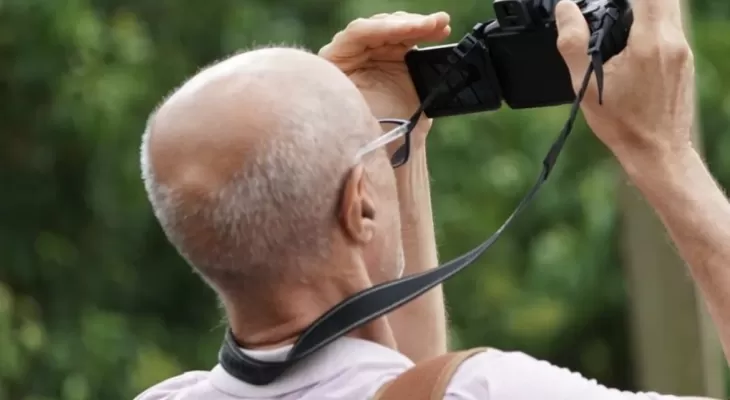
(381, 299)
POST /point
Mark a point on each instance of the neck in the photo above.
(277, 318)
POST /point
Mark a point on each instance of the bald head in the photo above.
(244, 163)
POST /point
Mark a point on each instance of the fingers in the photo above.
(436, 28)
(657, 32)
(573, 36)
(395, 53)
(654, 13)
(387, 29)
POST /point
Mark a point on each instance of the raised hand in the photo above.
(648, 104)
(371, 51)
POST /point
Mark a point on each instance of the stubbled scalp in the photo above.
(244, 162)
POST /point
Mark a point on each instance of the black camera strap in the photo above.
(379, 300)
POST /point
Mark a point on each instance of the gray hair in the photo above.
(278, 209)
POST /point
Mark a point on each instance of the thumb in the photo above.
(573, 36)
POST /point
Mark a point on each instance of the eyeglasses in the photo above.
(401, 155)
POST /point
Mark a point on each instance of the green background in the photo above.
(94, 304)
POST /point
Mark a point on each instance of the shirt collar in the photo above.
(320, 366)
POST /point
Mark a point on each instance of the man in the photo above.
(253, 168)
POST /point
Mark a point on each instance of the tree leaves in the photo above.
(94, 303)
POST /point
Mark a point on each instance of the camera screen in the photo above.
(427, 68)
(527, 64)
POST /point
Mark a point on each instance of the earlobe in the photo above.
(357, 208)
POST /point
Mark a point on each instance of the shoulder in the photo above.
(500, 375)
(175, 387)
(493, 372)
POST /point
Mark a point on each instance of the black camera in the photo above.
(517, 59)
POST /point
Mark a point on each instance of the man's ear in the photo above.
(357, 207)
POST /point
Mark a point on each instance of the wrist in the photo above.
(663, 174)
(648, 155)
(412, 181)
(416, 213)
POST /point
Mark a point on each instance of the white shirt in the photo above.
(354, 369)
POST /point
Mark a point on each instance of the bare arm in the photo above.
(696, 214)
(371, 51)
(500, 375)
(646, 120)
(419, 326)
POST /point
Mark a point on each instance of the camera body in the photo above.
(517, 61)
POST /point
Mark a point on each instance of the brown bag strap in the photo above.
(427, 380)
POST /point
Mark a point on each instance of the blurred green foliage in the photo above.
(95, 305)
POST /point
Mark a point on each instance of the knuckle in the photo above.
(325, 50)
(356, 23)
(679, 51)
(570, 41)
(664, 44)
(648, 50)
(338, 36)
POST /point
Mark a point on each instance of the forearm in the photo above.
(419, 326)
(696, 214)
